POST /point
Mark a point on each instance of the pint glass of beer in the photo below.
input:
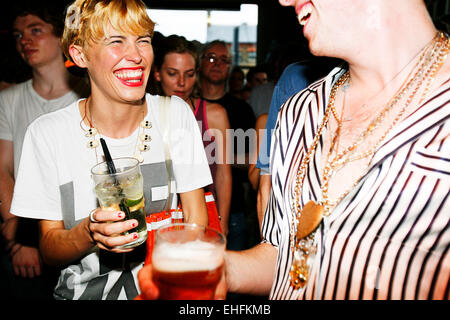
(187, 261)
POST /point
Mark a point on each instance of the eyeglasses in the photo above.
(212, 58)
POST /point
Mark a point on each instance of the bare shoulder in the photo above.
(217, 116)
(261, 121)
(215, 109)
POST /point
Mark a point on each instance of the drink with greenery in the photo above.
(123, 191)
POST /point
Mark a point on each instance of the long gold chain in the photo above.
(434, 61)
(307, 158)
(438, 52)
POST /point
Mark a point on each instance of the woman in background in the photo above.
(175, 74)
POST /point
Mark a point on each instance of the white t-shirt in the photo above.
(54, 183)
(21, 104)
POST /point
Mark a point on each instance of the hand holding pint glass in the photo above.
(187, 261)
(122, 191)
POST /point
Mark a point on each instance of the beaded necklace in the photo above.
(93, 134)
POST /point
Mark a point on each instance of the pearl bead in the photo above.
(91, 132)
(144, 147)
(145, 137)
(92, 144)
(146, 124)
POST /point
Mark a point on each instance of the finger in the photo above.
(37, 270)
(23, 271)
(149, 291)
(109, 228)
(30, 272)
(99, 215)
(221, 290)
(16, 270)
(117, 228)
(110, 243)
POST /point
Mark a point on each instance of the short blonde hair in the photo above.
(87, 20)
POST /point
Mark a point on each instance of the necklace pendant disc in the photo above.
(310, 219)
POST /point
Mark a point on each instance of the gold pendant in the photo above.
(310, 219)
(304, 255)
(305, 246)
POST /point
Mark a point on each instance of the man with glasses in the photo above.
(215, 67)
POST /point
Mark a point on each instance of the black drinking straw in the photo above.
(112, 170)
(109, 161)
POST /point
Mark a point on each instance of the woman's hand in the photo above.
(149, 291)
(27, 262)
(106, 228)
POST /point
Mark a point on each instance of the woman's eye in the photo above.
(36, 31)
(17, 36)
(145, 41)
(113, 40)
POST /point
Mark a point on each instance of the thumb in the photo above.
(149, 291)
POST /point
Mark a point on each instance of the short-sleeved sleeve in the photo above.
(5, 128)
(36, 191)
(271, 224)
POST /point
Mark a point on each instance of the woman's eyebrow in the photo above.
(116, 36)
(144, 36)
(29, 26)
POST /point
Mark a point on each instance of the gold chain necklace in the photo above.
(92, 133)
(309, 217)
(340, 120)
(434, 61)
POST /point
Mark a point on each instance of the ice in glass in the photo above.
(122, 191)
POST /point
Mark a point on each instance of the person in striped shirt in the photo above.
(359, 206)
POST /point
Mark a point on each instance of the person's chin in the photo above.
(181, 95)
(134, 98)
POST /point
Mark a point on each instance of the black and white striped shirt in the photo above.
(389, 237)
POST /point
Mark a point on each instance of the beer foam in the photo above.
(191, 256)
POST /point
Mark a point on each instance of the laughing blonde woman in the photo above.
(112, 40)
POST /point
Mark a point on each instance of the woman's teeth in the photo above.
(134, 75)
(304, 14)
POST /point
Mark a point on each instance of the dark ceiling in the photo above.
(437, 7)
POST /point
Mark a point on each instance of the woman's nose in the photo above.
(24, 39)
(181, 81)
(134, 54)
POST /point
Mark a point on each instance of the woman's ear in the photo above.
(157, 75)
(78, 56)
